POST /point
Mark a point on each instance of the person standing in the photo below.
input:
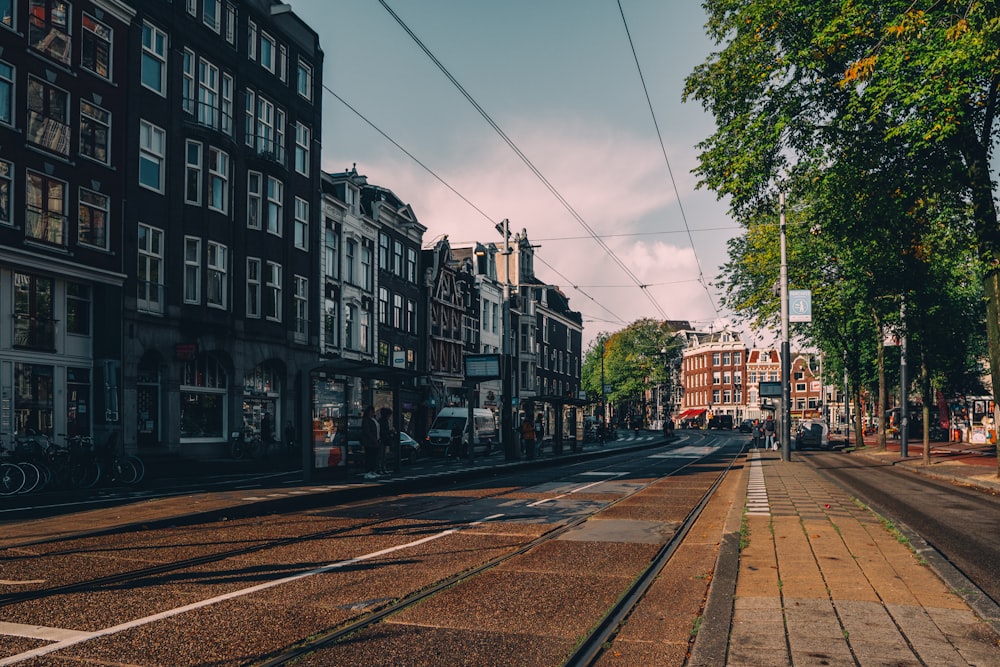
(370, 442)
(757, 432)
(384, 438)
(769, 441)
(527, 431)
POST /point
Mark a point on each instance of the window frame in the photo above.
(153, 53)
(44, 211)
(42, 28)
(148, 152)
(303, 79)
(301, 299)
(6, 192)
(218, 180)
(253, 288)
(272, 292)
(193, 171)
(192, 270)
(217, 276)
(90, 35)
(275, 206)
(255, 200)
(148, 257)
(7, 83)
(92, 206)
(51, 134)
(301, 230)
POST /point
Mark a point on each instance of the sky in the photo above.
(559, 78)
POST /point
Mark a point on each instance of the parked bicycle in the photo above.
(244, 443)
(74, 463)
(117, 465)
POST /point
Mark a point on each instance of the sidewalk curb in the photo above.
(958, 475)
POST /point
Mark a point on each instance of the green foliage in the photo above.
(635, 359)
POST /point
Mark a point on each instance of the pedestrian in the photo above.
(385, 434)
(528, 436)
(757, 431)
(290, 443)
(769, 441)
(266, 432)
(370, 442)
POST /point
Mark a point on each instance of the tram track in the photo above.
(591, 646)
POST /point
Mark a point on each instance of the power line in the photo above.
(670, 171)
(524, 158)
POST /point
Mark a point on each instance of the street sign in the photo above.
(769, 389)
(799, 305)
(482, 366)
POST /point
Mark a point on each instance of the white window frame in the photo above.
(303, 79)
(330, 257)
(252, 40)
(253, 287)
(272, 288)
(226, 108)
(7, 84)
(250, 117)
(189, 64)
(102, 34)
(45, 129)
(231, 23)
(303, 138)
(301, 233)
(214, 23)
(218, 180)
(274, 209)
(154, 51)
(150, 256)
(217, 276)
(152, 149)
(208, 94)
(255, 193)
(301, 296)
(267, 55)
(282, 64)
(192, 269)
(193, 165)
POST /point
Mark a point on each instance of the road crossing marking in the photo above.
(577, 490)
(757, 503)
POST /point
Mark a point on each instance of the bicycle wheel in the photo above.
(84, 474)
(32, 476)
(11, 479)
(140, 468)
(124, 470)
(236, 449)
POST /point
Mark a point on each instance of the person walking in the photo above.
(385, 433)
(370, 442)
(527, 431)
(757, 432)
(769, 441)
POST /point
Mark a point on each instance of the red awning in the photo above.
(693, 412)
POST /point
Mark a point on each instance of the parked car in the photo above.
(721, 422)
(812, 433)
(746, 426)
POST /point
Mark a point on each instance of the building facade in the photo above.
(713, 368)
(222, 213)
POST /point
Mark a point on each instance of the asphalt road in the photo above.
(961, 523)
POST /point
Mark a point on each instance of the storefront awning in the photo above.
(693, 412)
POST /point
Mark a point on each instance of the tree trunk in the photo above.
(925, 397)
(883, 398)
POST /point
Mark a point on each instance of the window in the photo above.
(46, 215)
(192, 270)
(188, 61)
(275, 203)
(411, 316)
(192, 173)
(150, 269)
(95, 132)
(153, 64)
(397, 258)
(152, 146)
(330, 253)
(350, 257)
(251, 40)
(411, 265)
(230, 23)
(330, 328)
(34, 326)
(726, 357)
(7, 13)
(253, 287)
(302, 139)
(301, 308)
(48, 116)
(93, 223)
(268, 48)
(212, 14)
(383, 252)
(6, 93)
(78, 309)
(254, 201)
(226, 111)
(737, 358)
(350, 326)
(383, 305)
(208, 94)
(6, 188)
(715, 359)
(301, 224)
(397, 311)
(249, 116)
(218, 269)
(366, 267)
(95, 51)
(282, 64)
(218, 180)
(272, 290)
(48, 28)
(303, 80)
(192, 7)
(364, 334)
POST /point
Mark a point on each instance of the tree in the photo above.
(799, 83)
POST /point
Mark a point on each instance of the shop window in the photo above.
(78, 309)
(203, 392)
(77, 401)
(34, 326)
(33, 405)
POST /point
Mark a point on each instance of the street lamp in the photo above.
(506, 388)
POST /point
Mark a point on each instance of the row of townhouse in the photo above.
(174, 264)
(719, 375)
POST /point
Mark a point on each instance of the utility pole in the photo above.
(786, 362)
(507, 386)
(904, 399)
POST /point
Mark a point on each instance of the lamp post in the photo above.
(786, 399)
(506, 387)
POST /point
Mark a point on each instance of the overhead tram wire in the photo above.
(461, 196)
(670, 171)
(524, 158)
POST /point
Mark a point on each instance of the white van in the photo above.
(449, 434)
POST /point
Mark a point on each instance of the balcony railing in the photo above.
(209, 115)
(34, 333)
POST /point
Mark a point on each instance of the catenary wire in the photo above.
(524, 158)
(670, 171)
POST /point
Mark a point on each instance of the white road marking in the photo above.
(757, 503)
(76, 637)
(578, 490)
(40, 632)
